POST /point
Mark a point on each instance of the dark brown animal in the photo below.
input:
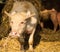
(53, 14)
(54, 17)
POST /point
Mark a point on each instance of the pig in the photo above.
(23, 18)
(53, 16)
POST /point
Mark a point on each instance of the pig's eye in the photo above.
(12, 22)
(22, 22)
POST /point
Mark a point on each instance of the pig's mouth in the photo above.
(14, 34)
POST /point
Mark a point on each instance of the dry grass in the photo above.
(48, 47)
(9, 45)
(49, 42)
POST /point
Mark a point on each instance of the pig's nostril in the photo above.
(15, 33)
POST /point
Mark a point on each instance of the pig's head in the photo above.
(18, 22)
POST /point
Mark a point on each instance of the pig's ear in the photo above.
(28, 13)
(7, 13)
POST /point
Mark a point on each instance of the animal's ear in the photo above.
(7, 13)
(29, 14)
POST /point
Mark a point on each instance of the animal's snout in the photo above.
(14, 34)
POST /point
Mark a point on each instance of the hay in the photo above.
(8, 44)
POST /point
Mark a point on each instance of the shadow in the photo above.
(2, 4)
(37, 36)
(48, 24)
(26, 45)
(0, 18)
(1, 7)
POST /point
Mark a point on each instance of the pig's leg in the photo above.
(59, 25)
(55, 21)
(58, 17)
(42, 25)
(31, 40)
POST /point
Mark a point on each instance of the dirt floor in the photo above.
(46, 41)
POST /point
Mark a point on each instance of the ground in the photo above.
(47, 42)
